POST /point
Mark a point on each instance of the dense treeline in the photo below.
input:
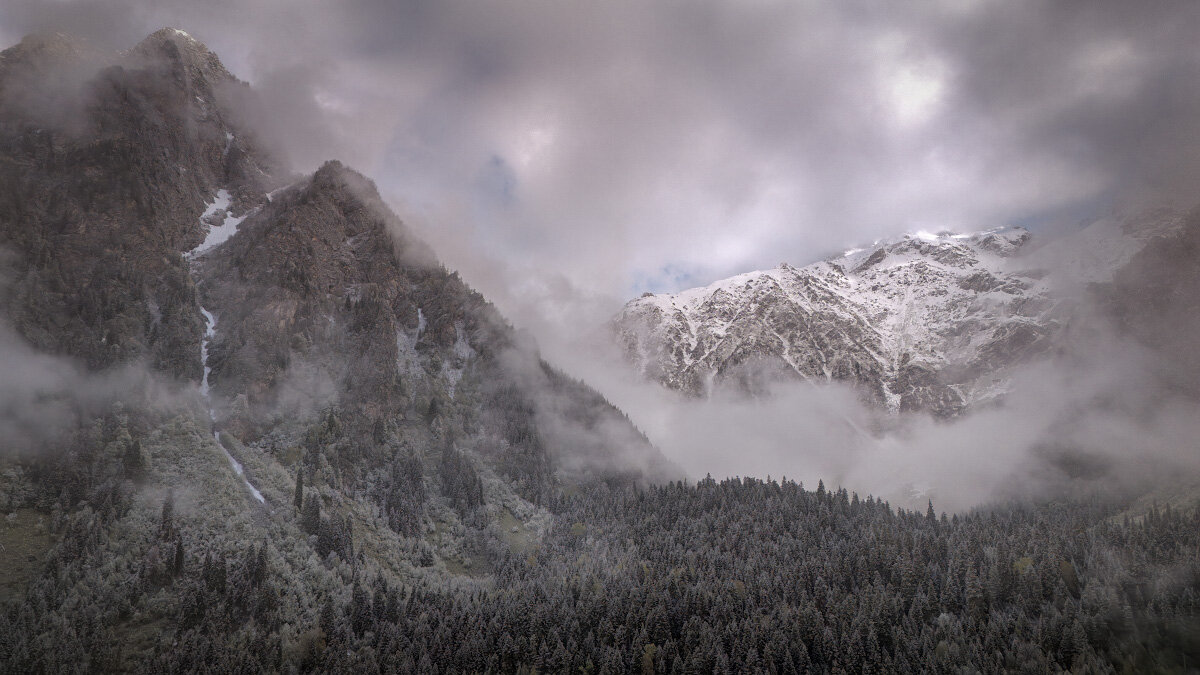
(731, 576)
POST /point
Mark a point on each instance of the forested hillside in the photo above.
(731, 576)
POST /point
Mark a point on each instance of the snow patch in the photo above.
(221, 233)
(880, 316)
(237, 468)
(210, 325)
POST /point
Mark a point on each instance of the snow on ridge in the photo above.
(915, 299)
(926, 321)
(693, 297)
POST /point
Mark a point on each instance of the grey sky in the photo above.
(566, 156)
(614, 147)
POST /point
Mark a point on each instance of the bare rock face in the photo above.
(918, 324)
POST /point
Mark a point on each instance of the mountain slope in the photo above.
(915, 324)
(927, 322)
(226, 374)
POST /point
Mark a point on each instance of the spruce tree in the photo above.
(167, 526)
(134, 462)
(310, 519)
(299, 498)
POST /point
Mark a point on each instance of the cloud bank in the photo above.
(566, 157)
(617, 147)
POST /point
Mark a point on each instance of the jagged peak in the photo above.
(996, 241)
(334, 174)
(353, 193)
(174, 36)
(178, 45)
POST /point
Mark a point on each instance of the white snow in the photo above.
(221, 233)
(210, 325)
(237, 468)
(897, 308)
(929, 301)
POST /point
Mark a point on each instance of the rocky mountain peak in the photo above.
(338, 181)
(914, 323)
(125, 152)
(202, 68)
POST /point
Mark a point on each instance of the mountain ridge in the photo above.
(920, 323)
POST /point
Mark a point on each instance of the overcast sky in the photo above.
(573, 154)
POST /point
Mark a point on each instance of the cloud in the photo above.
(1094, 417)
(704, 136)
(564, 157)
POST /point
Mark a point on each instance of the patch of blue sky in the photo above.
(669, 278)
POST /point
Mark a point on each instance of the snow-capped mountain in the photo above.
(926, 322)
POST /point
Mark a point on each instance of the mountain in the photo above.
(250, 423)
(926, 322)
(103, 174)
(217, 353)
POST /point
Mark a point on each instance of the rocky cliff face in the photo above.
(928, 322)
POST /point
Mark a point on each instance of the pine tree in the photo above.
(167, 526)
(134, 461)
(310, 518)
(177, 563)
(360, 610)
(298, 500)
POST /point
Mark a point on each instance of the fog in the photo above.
(45, 398)
(566, 159)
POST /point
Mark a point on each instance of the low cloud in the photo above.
(565, 157)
